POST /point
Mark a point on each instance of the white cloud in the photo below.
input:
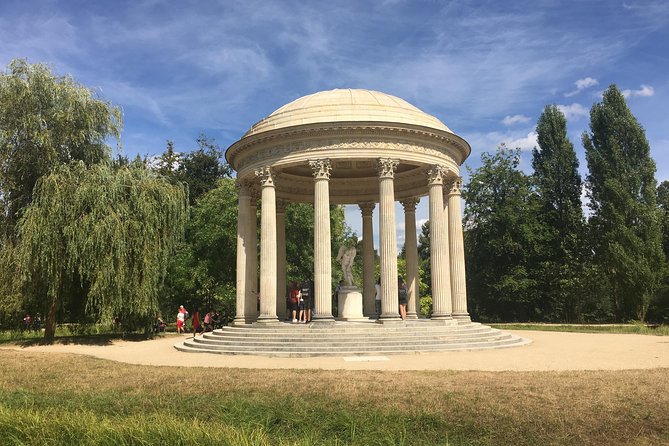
(581, 85)
(573, 111)
(644, 92)
(515, 119)
(525, 143)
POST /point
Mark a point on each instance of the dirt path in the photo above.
(548, 351)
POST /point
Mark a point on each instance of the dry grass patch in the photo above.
(338, 407)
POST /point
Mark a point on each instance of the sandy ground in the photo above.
(548, 351)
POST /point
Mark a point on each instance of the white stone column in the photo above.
(281, 259)
(268, 257)
(441, 288)
(457, 252)
(411, 250)
(368, 280)
(388, 240)
(322, 250)
(244, 252)
(251, 307)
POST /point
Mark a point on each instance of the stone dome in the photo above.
(346, 105)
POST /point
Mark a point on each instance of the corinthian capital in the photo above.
(455, 186)
(386, 167)
(410, 204)
(367, 208)
(321, 168)
(266, 176)
(436, 175)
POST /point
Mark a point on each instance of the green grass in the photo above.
(50, 398)
(635, 328)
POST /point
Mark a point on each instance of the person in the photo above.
(294, 300)
(208, 322)
(159, 325)
(37, 323)
(27, 322)
(402, 294)
(181, 320)
(377, 298)
(197, 326)
(307, 295)
(345, 255)
(302, 317)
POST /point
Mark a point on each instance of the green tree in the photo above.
(501, 237)
(558, 187)
(46, 121)
(625, 221)
(663, 204)
(109, 230)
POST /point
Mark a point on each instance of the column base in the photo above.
(412, 315)
(390, 317)
(323, 321)
(462, 318)
(392, 322)
(449, 321)
(267, 320)
(240, 321)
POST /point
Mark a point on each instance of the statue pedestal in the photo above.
(349, 304)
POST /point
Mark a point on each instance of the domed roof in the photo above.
(346, 105)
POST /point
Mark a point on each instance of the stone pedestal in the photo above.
(349, 303)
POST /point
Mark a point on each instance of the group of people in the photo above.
(212, 319)
(299, 303)
(32, 323)
(402, 297)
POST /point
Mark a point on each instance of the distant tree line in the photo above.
(532, 254)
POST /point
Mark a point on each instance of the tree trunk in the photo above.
(50, 326)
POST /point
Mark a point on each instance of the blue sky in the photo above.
(486, 69)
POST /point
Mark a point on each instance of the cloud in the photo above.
(515, 119)
(581, 85)
(573, 111)
(644, 92)
(525, 143)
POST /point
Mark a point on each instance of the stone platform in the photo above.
(349, 338)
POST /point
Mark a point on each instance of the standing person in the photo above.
(37, 323)
(197, 326)
(181, 320)
(307, 295)
(27, 322)
(377, 298)
(294, 300)
(402, 294)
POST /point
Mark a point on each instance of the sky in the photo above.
(486, 69)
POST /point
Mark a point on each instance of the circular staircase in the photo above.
(349, 338)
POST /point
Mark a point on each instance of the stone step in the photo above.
(357, 352)
(341, 339)
(309, 334)
(345, 340)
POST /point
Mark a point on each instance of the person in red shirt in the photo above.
(295, 295)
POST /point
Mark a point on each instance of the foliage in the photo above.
(109, 229)
(562, 248)
(501, 237)
(46, 121)
(625, 221)
(202, 272)
(199, 169)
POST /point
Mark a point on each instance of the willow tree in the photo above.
(46, 121)
(110, 228)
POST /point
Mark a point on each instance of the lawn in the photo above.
(636, 328)
(50, 398)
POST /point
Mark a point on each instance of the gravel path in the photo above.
(548, 351)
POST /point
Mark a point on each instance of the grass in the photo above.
(634, 328)
(50, 398)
